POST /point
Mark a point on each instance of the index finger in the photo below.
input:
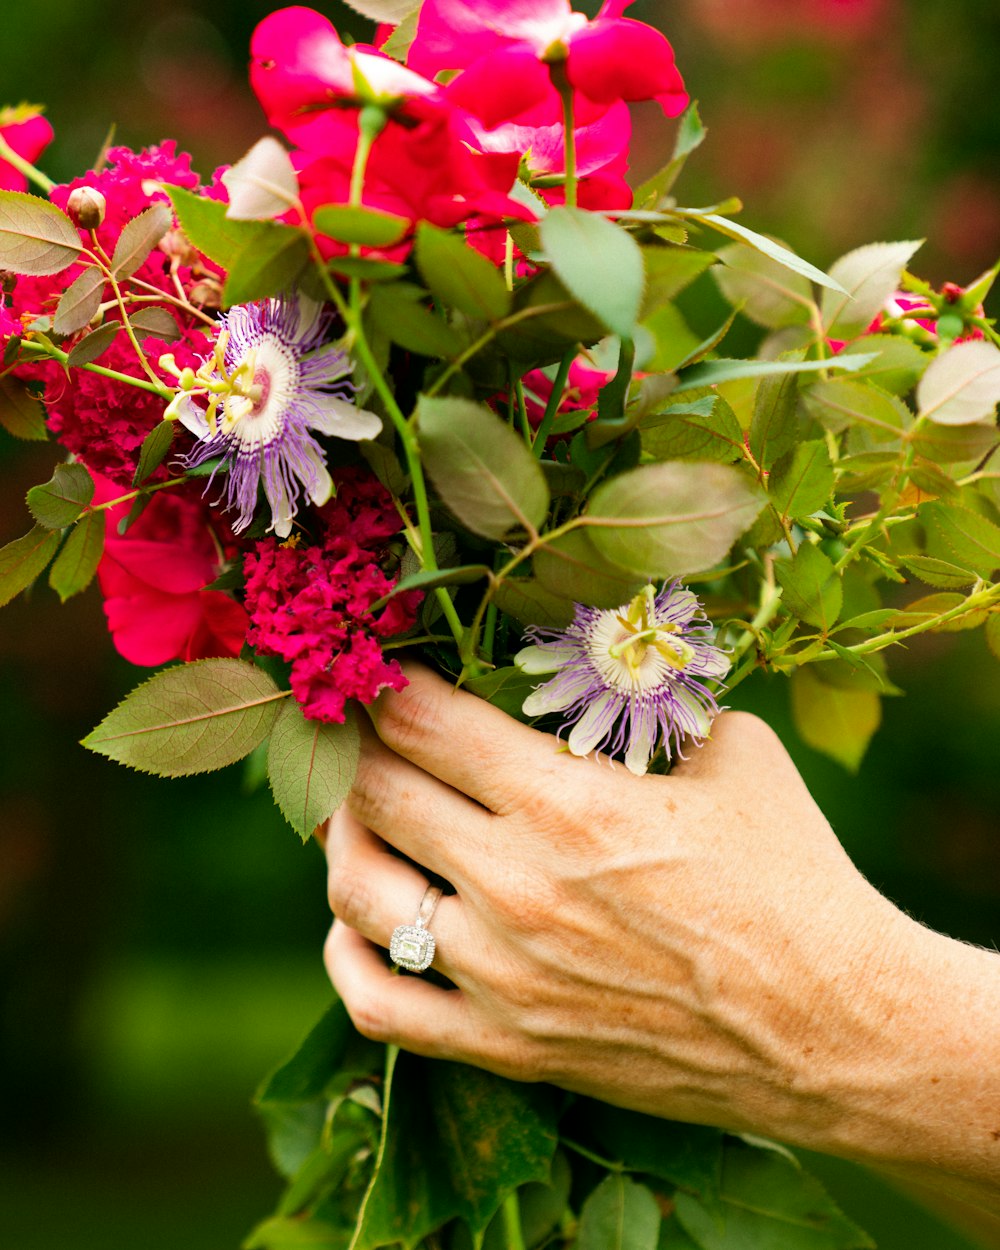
(463, 740)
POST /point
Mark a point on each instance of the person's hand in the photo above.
(697, 946)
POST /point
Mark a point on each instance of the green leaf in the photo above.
(930, 607)
(673, 338)
(428, 1172)
(690, 135)
(842, 402)
(93, 344)
(481, 467)
(571, 568)
(668, 271)
(962, 385)
(619, 1215)
(389, 12)
(262, 184)
(868, 276)
(36, 237)
(310, 766)
(775, 423)
(153, 451)
(506, 688)
(685, 432)
(79, 302)
(459, 276)
(530, 603)
(272, 265)
(400, 312)
(61, 499)
(77, 563)
(138, 239)
(429, 579)
(811, 589)
(154, 322)
(367, 227)
(766, 292)
(802, 480)
(599, 263)
(762, 244)
(963, 536)
(713, 372)
(767, 1200)
(898, 363)
(399, 42)
(206, 225)
(992, 632)
(281, 1233)
(543, 337)
(367, 268)
(686, 1155)
(22, 560)
(21, 414)
(665, 520)
(191, 719)
(838, 722)
(940, 573)
(952, 444)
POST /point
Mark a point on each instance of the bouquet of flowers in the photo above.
(420, 377)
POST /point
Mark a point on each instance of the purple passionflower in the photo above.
(270, 382)
(629, 678)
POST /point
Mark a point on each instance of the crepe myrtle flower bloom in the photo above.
(270, 381)
(628, 678)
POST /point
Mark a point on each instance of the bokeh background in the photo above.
(160, 941)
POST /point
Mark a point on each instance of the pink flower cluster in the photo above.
(313, 605)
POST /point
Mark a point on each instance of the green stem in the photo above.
(552, 407)
(144, 490)
(557, 71)
(104, 264)
(513, 1232)
(22, 166)
(522, 411)
(54, 353)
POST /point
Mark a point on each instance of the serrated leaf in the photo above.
(571, 568)
(367, 268)
(206, 225)
(460, 276)
(774, 251)
(93, 344)
(951, 444)
(262, 184)
(367, 227)
(21, 414)
(153, 451)
(934, 572)
(311, 766)
(766, 292)
(929, 607)
(77, 563)
(962, 385)
(811, 589)
(191, 719)
(22, 560)
(59, 501)
(898, 363)
(389, 12)
(138, 239)
(690, 135)
(839, 723)
(528, 602)
(668, 271)
(429, 579)
(79, 302)
(36, 237)
(269, 266)
(715, 372)
(399, 42)
(619, 1215)
(665, 520)
(775, 423)
(599, 263)
(505, 688)
(685, 432)
(154, 322)
(869, 275)
(400, 313)
(802, 480)
(838, 403)
(481, 467)
(992, 632)
(963, 536)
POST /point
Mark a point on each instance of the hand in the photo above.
(697, 946)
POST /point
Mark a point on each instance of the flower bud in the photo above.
(86, 208)
(206, 294)
(177, 246)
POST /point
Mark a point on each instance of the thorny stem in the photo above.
(54, 353)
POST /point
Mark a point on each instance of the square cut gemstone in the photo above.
(412, 948)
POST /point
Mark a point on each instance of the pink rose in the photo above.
(28, 133)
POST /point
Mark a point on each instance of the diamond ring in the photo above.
(412, 946)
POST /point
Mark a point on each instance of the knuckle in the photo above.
(407, 719)
(351, 896)
(369, 1017)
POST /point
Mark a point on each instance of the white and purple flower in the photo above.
(270, 382)
(630, 678)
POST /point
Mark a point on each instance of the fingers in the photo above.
(741, 746)
(403, 1010)
(463, 740)
(373, 891)
(419, 814)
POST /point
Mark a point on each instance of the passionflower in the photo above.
(253, 404)
(629, 679)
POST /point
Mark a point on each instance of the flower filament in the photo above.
(238, 393)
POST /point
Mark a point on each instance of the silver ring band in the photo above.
(412, 946)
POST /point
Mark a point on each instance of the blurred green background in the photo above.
(160, 941)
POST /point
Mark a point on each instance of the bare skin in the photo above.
(696, 946)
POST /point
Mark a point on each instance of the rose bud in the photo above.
(86, 207)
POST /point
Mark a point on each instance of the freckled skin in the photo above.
(697, 946)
